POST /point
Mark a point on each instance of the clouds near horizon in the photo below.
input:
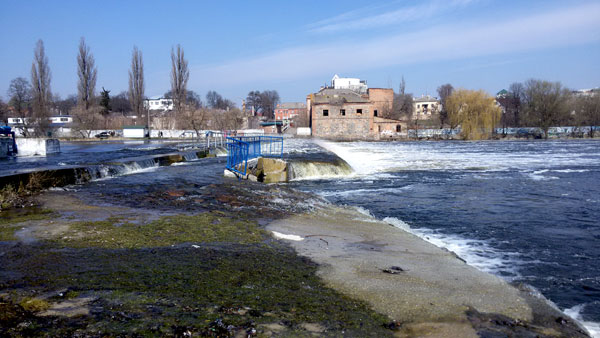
(477, 37)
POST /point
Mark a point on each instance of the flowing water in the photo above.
(526, 211)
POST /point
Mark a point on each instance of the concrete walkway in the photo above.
(429, 291)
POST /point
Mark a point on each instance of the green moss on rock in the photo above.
(166, 231)
(10, 220)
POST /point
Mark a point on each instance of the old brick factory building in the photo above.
(349, 110)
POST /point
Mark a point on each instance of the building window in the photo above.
(359, 111)
(343, 112)
(325, 112)
(375, 113)
(398, 128)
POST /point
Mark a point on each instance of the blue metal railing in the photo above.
(240, 149)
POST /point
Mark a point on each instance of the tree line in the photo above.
(33, 102)
(534, 103)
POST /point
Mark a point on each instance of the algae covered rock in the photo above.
(271, 170)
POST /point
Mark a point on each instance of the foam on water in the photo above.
(475, 252)
(575, 313)
(367, 158)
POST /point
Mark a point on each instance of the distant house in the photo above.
(351, 111)
(289, 110)
(135, 131)
(55, 121)
(587, 92)
(425, 107)
(159, 103)
(351, 83)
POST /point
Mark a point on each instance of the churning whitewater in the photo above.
(524, 210)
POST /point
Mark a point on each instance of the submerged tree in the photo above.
(179, 78)
(136, 82)
(475, 112)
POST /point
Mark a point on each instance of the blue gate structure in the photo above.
(240, 149)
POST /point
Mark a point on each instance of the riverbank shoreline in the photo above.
(427, 290)
(420, 289)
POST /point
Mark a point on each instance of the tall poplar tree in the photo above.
(136, 82)
(179, 78)
(41, 92)
(87, 73)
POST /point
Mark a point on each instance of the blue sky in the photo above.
(234, 47)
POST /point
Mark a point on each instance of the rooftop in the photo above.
(291, 105)
(425, 98)
(339, 96)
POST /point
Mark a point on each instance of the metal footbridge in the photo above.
(240, 149)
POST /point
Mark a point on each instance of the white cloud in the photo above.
(558, 28)
(361, 19)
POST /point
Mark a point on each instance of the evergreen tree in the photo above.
(105, 101)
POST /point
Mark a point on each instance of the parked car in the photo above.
(103, 135)
(187, 134)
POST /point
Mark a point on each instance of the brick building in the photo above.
(289, 110)
(346, 114)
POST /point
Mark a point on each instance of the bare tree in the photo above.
(19, 96)
(136, 82)
(270, 99)
(179, 78)
(120, 103)
(444, 91)
(253, 100)
(545, 104)
(196, 118)
(87, 73)
(515, 98)
(86, 120)
(3, 111)
(402, 107)
(64, 106)
(41, 92)
(589, 111)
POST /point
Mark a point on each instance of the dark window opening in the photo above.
(398, 128)
(375, 112)
(325, 112)
(359, 111)
(343, 112)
